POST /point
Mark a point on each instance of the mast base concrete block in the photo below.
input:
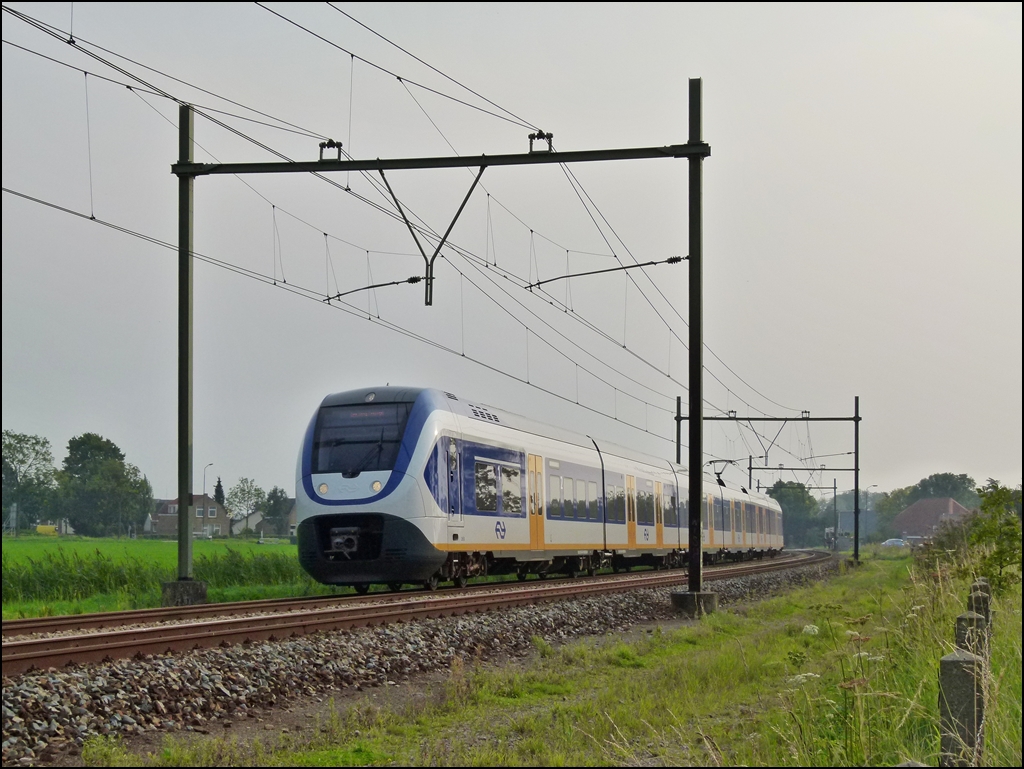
(695, 604)
(183, 592)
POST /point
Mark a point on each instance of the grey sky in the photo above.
(862, 226)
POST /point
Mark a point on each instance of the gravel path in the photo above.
(46, 713)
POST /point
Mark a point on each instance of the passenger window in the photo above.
(486, 488)
(592, 509)
(581, 499)
(511, 490)
(555, 496)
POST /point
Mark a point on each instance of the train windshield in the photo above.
(358, 438)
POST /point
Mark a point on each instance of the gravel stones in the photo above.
(47, 712)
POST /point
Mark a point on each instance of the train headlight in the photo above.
(375, 485)
(323, 488)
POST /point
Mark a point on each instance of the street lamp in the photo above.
(205, 506)
(867, 495)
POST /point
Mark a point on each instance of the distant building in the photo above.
(926, 516)
(266, 528)
(210, 519)
(868, 522)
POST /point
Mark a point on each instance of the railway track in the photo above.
(250, 621)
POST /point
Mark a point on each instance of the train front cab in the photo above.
(355, 465)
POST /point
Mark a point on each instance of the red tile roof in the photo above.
(923, 518)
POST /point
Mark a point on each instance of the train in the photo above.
(403, 485)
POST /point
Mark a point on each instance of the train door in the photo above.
(659, 515)
(630, 511)
(705, 514)
(714, 516)
(536, 500)
(455, 517)
(732, 522)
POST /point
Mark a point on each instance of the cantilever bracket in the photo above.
(429, 262)
(762, 442)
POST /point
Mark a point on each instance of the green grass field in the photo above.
(45, 576)
(157, 551)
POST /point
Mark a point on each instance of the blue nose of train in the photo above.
(361, 548)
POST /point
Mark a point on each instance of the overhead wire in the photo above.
(161, 92)
(671, 305)
(278, 260)
(575, 182)
(53, 31)
(385, 70)
(317, 296)
(62, 36)
(142, 89)
(431, 67)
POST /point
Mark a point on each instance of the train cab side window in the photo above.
(486, 483)
(555, 496)
(592, 510)
(511, 490)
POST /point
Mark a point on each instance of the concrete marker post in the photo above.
(972, 633)
(961, 709)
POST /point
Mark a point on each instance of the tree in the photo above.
(218, 493)
(278, 505)
(997, 529)
(99, 493)
(960, 487)
(28, 476)
(800, 520)
(244, 499)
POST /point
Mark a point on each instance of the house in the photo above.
(210, 519)
(269, 528)
(926, 516)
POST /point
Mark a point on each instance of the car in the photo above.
(894, 543)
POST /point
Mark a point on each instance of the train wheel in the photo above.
(460, 581)
(394, 587)
(362, 588)
(521, 576)
(431, 583)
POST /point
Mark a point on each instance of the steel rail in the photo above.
(57, 651)
(114, 619)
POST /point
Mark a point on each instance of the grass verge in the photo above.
(42, 578)
(841, 673)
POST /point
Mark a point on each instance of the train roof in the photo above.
(492, 415)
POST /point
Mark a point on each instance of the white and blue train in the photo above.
(405, 485)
